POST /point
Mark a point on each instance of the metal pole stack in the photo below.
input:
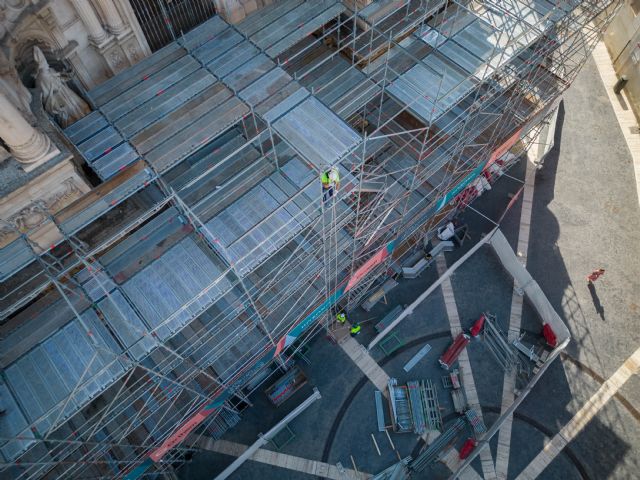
(414, 389)
(430, 455)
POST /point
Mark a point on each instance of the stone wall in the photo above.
(623, 42)
(234, 11)
(96, 38)
(89, 40)
(27, 207)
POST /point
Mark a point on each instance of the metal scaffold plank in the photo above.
(249, 72)
(49, 373)
(263, 18)
(100, 144)
(129, 329)
(140, 72)
(417, 357)
(179, 119)
(287, 22)
(202, 33)
(86, 127)
(265, 86)
(103, 198)
(319, 134)
(161, 105)
(218, 45)
(115, 161)
(193, 137)
(13, 257)
(304, 29)
(234, 58)
(145, 91)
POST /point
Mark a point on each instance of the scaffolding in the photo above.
(151, 308)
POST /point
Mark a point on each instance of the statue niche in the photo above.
(58, 99)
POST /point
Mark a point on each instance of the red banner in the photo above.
(377, 259)
(180, 434)
(504, 148)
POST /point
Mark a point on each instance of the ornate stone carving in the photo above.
(85, 11)
(70, 191)
(30, 216)
(134, 55)
(36, 212)
(10, 11)
(6, 232)
(58, 99)
(113, 19)
(116, 60)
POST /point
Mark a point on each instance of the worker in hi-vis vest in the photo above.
(341, 318)
(355, 329)
(330, 181)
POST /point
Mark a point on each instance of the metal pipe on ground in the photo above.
(264, 439)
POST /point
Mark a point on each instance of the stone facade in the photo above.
(96, 38)
(623, 42)
(90, 40)
(26, 209)
(234, 11)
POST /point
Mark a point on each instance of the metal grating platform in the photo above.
(317, 133)
(45, 378)
(283, 25)
(160, 290)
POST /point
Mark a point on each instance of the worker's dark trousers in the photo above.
(327, 193)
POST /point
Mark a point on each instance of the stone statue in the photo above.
(13, 88)
(59, 100)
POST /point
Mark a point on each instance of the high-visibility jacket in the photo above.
(330, 177)
(341, 317)
(355, 330)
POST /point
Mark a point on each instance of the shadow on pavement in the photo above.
(596, 300)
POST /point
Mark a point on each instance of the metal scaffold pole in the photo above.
(264, 439)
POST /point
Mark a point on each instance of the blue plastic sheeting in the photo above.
(13, 257)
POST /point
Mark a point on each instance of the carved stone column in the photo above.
(232, 11)
(111, 15)
(90, 20)
(29, 146)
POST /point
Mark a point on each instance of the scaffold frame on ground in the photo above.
(208, 256)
